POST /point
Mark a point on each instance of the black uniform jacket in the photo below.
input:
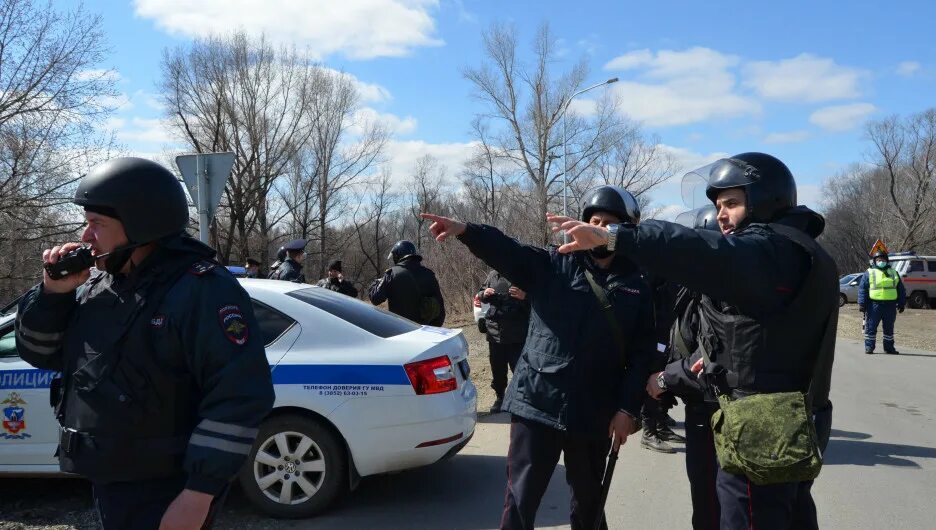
(339, 286)
(408, 287)
(191, 365)
(507, 318)
(571, 374)
(289, 271)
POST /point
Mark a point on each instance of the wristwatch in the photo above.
(612, 236)
(661, 381)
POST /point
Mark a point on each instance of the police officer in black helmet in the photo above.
(165, 379)
(290, 266)
(410, 289)
(579, 384)
(768, 307)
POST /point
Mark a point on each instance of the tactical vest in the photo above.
(882, 284)
(127, 410)
(777, 352)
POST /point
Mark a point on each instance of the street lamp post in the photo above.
(565, 145)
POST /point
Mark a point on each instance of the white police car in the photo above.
(359, 391)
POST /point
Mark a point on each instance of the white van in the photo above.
(919, 277)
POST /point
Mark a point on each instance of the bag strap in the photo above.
(606, 308)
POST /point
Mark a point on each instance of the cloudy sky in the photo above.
(796, 79)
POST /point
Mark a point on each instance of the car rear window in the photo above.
(369, 318)
(931, 265)
(916, 266)
(272, 322)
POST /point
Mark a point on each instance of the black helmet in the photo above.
(281, 254)
(612, 199)
(766, 181)
(402, 249)
(146, 198)
(880, 254)
(703, 218)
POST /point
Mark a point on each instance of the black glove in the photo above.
(861, 308)
(900, 310)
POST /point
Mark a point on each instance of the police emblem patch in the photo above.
(14, 417)
(234, 324)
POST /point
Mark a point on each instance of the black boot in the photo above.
(498, 403)
(652, 441)
(892, 351)
(667, 435)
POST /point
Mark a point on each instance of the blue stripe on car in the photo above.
(339, 374)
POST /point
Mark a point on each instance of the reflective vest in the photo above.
(883, 284)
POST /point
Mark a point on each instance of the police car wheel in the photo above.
(842, 300)
(296, 468)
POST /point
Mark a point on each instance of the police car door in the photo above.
(28, 429)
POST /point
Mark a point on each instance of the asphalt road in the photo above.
(880, 468)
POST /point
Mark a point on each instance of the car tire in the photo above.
(842, 299)
(266, 477)
(918, 300)
(482, 326)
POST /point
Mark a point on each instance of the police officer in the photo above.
(506, 322)
(768, 301)
(678, 380)
(290, 268)
(164, 379)
(280, 258)
(579, 383)
(252, 267)
(336, 282)
(409, 288)
(881, 291)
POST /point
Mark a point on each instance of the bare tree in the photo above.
(525, 102)
(905, 153)
(344, 146)
(243, 95)
(425, 189)
(53, 98)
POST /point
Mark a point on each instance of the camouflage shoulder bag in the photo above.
(769, 438)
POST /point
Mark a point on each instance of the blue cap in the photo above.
(296, 244)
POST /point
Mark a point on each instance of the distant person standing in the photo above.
(881, 295)
(336, 282)
(252, 267)
(409, 288)
(290, 270)
(506, 320)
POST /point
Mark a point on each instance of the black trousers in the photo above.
(702, 466)
(140, 505)
(502, 356)
(532, 457)
(745, 505)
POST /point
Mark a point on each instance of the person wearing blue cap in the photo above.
(290, 270)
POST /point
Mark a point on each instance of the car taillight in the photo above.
(432, 376)
(477, 301)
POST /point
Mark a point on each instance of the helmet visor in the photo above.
(721, 174)
(687, 218)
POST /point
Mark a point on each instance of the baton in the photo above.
(605, 486)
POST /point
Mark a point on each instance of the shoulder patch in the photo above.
(158, 321)
(233, 324)
(200, 268)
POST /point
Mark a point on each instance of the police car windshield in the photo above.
(367, 317)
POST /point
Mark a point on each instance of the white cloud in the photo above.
(805, 78)
(908, 68)
(358, 29)
(136, 131)
(680, 87)
(369, 92)
(666, 212)
(842, 117)
(786, 137)
(394, 123)
(402, 157)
